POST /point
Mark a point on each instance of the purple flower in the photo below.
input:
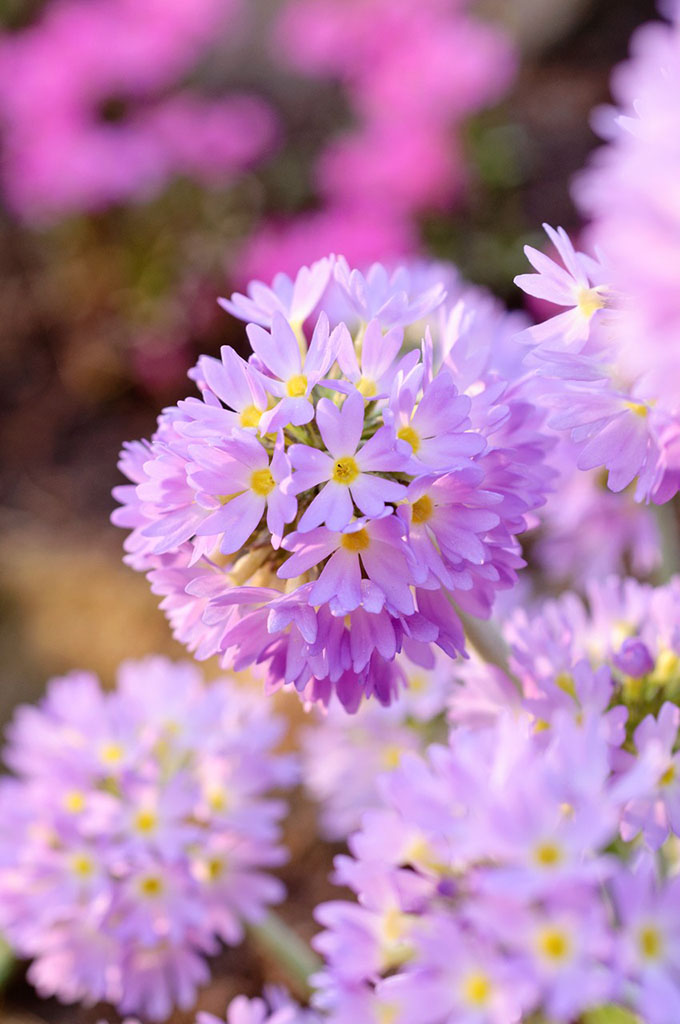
(347, 471)
(324, 506)
(142, 833)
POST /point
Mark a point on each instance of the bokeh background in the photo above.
(144, 174)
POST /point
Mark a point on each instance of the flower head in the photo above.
(142, 832)
(325, 503)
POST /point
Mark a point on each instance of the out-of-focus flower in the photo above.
(319, 509)
(276, 1008)
(488, 882)
(412, 72)
(342, 755)
(611, 359)
(590, 533)
(141, 832)
(88, 111)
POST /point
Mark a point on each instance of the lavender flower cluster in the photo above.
(326, 503)
(339, 510)
(504, 874)
(138, 832)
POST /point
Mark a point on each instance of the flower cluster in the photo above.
(500, 878)
(322, 504)
(136, 831)
(630, 629)
(276, 1008)
(411, 73)
(588, 532)
(342, 755)
(611, 358)
(94, 113)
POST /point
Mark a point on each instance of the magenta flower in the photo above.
(242, 468)
(292, 378)
(347, 471)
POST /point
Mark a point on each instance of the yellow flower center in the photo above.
(345, 470)
(152, 885)
(250, 416)
(367, 387)
(214, 868)
(408, 434)
(650, 942)
(74, 802)
(422, 509)
(565, 681)
(554, 944)
(145, 821)
(589, 300)
(386, 1013)
(357, 541)
(217, 799)
(638, 409)
(262, 482)
(668, 776)
(547, 854)
(82, 865)
(111, 753)
(667, 667)
(297, 385)
(391, 756)
(477, 989)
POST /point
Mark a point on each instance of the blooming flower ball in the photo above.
(138, 832)
(499, 882)
(325, 504)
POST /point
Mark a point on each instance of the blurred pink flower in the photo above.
(81, 108)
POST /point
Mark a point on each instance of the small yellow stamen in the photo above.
(297, 386)
(357, 541)
(152, 885)
(422, 509)
(667, 667)
(262, 482)
(111, 753)
(367, 387)
(547, 854)
(638, 409)
(565, 681)
(345, 470)
(145, 821)
(250, 416)
(218, 801)
(668, 777)
(82, 865)
(554, 944)
(391, 756)
(74, 801)
(214, 868)
(589, 300)
(650, 943)
(409, 435)
(386, 1013)
(477, 989)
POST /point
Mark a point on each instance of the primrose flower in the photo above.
(327, 503)
(486, 885)
(276, 1008)
(142, 832)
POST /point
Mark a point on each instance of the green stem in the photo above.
(274, 938)
(489, 644)
(7, 963)
(669, 528)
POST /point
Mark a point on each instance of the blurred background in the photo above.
(158, 153)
